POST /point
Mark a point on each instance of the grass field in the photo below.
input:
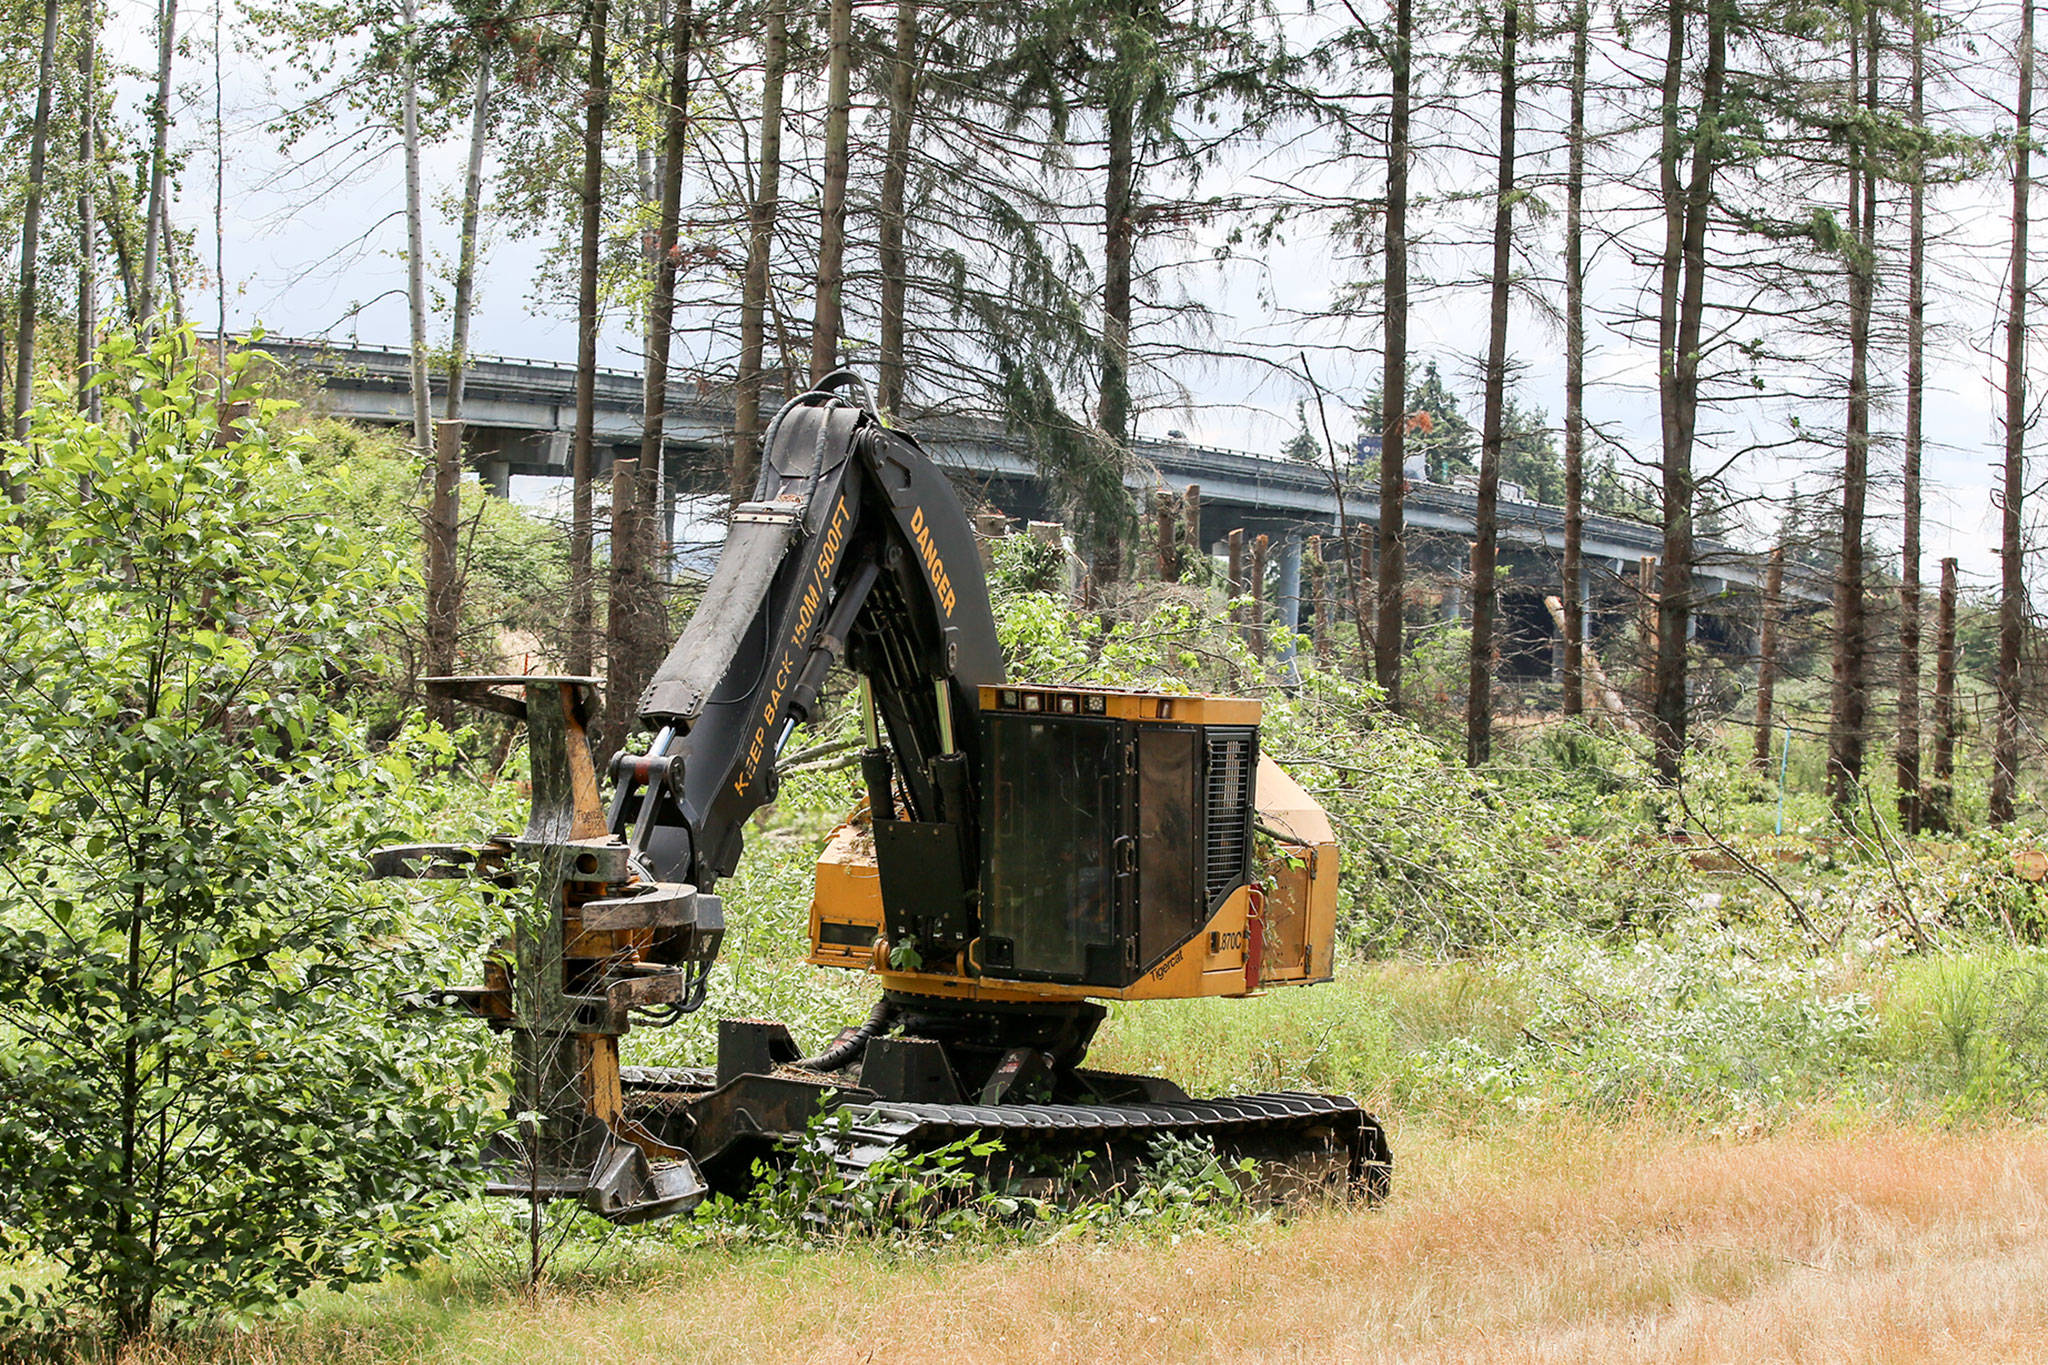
(1602, 1154)
(1541, 1240)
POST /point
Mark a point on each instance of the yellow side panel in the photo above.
(1210, 963)
(847, 896)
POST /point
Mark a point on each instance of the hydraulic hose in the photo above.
(851, 1046)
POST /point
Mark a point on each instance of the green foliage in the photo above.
(1705, 1023)
(1437, 858)
(206, 1104)
(1714, 1019)
(1026, 564)
(1336, 1039)
(964, 1189)
(1041, 639)
(514, 566)
(1991, 1020)
(902, 1194)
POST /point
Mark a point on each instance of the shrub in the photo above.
(205, 1105)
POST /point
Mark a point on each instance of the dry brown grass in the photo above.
(1543, 1243)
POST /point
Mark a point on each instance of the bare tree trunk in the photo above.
(2012, 593)
(746, 417)
(636, 626)
(889, 231)
(1486, 528)
(832, 205)
(444, 585)
(466, 251)
(153, 216)
(1767, 655)
(112, 219)
(1849, 709)
(1319, 590)
(177, 290)
(1358, 567)
(88, 219)
(1940, 811)
(1164, 508)
(582, 607)
(1646, 621)
(1119, 242)
(415, 246)
(1387, 640)
(31, 226)
(220, 232)
(1908, 764)
(1575, 374)
(1682, 298)
(1256, 631)
(1335, 472)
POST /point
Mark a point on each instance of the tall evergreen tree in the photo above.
(1485, 548)
(763, 209)
(1573, 595)
(31, 223)
(1907, 765)
(1686, 195)
(582, 448)
(1849, 701)
(1391, 577)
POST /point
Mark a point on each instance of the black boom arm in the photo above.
(854, 546)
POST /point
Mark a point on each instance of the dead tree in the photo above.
(1939, 808)
(1849, 693)
(1767, 655)
(2012, 594)
(1486, 543)
(1386, 644)
(1907, 765)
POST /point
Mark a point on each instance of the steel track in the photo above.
(1298, 1132)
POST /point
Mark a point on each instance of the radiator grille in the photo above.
(1231, 761)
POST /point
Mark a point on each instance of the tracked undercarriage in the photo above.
(899, 1097)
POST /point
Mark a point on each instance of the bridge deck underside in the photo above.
(520, 417)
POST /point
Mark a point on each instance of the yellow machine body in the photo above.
(1278, 929)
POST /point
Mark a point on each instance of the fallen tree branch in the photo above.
(1814, 941)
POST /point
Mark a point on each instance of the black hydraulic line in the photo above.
(878, 776)
(855, 1043)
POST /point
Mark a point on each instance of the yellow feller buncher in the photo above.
(1023, 853)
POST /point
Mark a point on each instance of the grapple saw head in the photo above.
(596, 943)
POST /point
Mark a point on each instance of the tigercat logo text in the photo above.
(942, 583)
(1159, 972)
(794, 647)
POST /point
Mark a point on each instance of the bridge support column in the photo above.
(1584, 605)
(497, 475)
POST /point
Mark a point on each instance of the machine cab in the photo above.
(1114, 826)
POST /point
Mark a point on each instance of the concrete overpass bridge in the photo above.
(521, 414)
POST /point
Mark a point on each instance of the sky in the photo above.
(311, 251)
